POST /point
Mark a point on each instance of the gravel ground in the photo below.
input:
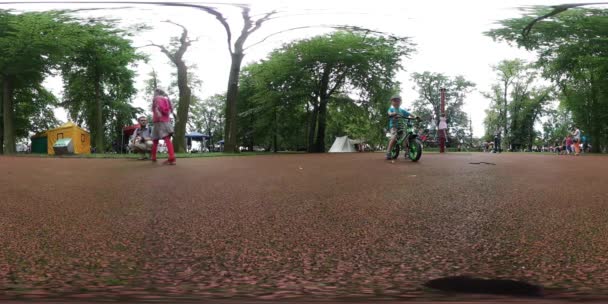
(325, 226)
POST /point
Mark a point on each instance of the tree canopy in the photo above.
(573, 52)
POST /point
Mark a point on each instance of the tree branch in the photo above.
(260, 21)
(207, 9)
(281, 32)
(557, 9)
(162, 49)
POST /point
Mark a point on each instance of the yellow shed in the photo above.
(80, 138)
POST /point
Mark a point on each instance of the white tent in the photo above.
(344, 144)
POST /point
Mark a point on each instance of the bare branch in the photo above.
(162, 49)
(556, 10)
(177, 24)
(281, 32)
(260, 21)
(98, 9)
(208, 9)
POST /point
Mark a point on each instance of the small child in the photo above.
(393, 113)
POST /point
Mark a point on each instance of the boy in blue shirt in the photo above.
(393, 122)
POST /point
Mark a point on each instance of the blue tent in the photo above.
(221, 142)
(196, 136)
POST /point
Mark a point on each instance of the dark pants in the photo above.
(497, 144)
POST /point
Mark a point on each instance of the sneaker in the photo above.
(169, 162)
(388, 156)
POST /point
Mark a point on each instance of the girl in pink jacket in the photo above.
(161, 109)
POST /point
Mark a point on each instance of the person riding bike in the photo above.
(394, 112)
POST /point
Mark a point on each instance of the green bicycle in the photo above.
(408, 139)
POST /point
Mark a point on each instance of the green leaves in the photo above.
(573, 53)
(428, 105)
(97, 75)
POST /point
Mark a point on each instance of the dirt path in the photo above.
(300, 226)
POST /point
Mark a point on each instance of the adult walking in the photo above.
(576, 137)
(161, 109)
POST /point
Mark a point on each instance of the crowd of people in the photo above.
(574, 143)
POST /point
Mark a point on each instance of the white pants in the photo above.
(142, 147)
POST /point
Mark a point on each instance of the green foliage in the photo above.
(207, 116)
(32, 44)
(428, 105)
(98, 77)
(573, 53)
(291, 95)
(516, 104)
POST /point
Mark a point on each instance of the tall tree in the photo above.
(327, 66)
(237, 53)
(428, 103)
(98, 78)
(207, 116)
(32, 44)
(573, 53)
(175, 52)
(517, 103)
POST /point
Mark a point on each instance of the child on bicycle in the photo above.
(394, 112)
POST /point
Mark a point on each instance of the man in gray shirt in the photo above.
(141, 141)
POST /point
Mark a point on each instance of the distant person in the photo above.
(443, 127)
(161, 109)
(568, 144)
(585, 144)
(394, 112)
(142, 138)
(576, 138)
(497, 140)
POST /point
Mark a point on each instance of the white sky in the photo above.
(448, 35)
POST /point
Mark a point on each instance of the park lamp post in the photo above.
(442, 134)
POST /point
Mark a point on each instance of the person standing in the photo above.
(142, 138)
(443, 129)
(497, 140)
(576, 137)
(161, 109)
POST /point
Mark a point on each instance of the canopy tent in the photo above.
(344, 144)
(81, 138)
(196, 136)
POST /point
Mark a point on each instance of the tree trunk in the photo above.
(320, 144)
(251, 134)
(99, 147)
(185, 96)
(1, 123)
(312, 127)
(505, 129)
(275, 131)
(8, 115)
(230, 128)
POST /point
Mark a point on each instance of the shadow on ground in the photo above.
(469, 285)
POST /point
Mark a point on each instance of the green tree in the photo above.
(32, 45)
(516, 103)
(207, 116)
(428, 104)
(175, 52)
(98, 80)
(318, 69)
(573, 53)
